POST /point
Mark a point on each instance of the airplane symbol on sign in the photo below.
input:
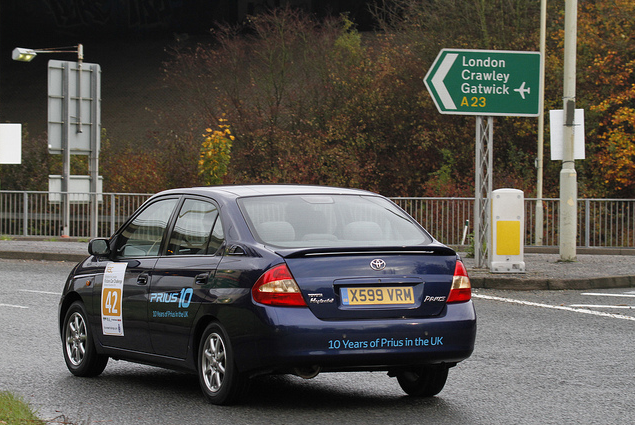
(522, 90)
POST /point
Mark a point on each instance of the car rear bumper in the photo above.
(296, 338)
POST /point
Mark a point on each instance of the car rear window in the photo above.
(293, 221)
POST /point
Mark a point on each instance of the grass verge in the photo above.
(14, 411)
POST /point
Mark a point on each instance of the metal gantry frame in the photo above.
(483, 188)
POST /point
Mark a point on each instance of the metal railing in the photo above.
(444, 218)
(40, 213)
(601, 222)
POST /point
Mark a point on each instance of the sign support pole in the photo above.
(93, 166)
(483, 188)
(539, 225)
(66, 151)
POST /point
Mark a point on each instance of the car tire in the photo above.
(218, 376)
(423, 381)
(80, 354)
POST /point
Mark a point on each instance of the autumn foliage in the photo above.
(215, 154)
(286, 98)
(607, 31)
(318, 103)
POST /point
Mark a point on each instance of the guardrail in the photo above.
(601, 222)
(40, 213)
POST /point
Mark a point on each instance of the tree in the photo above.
(318, 102)
(315, 102)
(607, 86)
(128, 169)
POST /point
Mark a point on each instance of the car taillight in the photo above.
(277, 287)
(461, 290)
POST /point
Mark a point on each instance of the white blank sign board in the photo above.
(10, 143)
(556, 120)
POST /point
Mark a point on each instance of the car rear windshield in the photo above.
(296, 221)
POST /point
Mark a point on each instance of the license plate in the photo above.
(400, 295)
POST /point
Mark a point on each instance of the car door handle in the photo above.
(201, 279)
(142, 279)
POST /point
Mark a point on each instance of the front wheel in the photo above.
(80, 354)
(423, 381)
(220, 381)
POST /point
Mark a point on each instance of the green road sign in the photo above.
(485, 82)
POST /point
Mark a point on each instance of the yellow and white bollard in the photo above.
(508, 231)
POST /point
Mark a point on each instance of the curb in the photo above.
(42, 256)
(553, 284)
(580, 251)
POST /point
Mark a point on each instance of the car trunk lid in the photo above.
(358, 283)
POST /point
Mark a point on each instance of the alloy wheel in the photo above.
(76, 339)
(213, 362)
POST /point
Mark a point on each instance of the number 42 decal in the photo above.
(112, 302)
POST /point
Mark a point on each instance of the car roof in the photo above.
(238, 191)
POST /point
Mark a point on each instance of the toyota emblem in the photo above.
(378, 264)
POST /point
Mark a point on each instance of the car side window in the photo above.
(217, 238)
(142, 236)
(197, 230)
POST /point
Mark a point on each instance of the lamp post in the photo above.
(568, 175)
(22, 54)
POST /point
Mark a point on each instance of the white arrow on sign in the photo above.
(439, 76)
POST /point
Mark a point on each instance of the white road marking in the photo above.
(13, 306)
(603, 294)
(39, 292)
(627, 307)
(597, 294)
(554, 307)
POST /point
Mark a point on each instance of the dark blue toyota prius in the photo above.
(231, 282)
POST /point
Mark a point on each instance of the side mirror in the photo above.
(99, 247)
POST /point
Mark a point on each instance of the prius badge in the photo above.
(378, 264)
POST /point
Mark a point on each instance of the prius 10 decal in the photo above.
(180, 299)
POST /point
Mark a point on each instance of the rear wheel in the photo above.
(220, 381)
(80, 354)
(423, 381)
